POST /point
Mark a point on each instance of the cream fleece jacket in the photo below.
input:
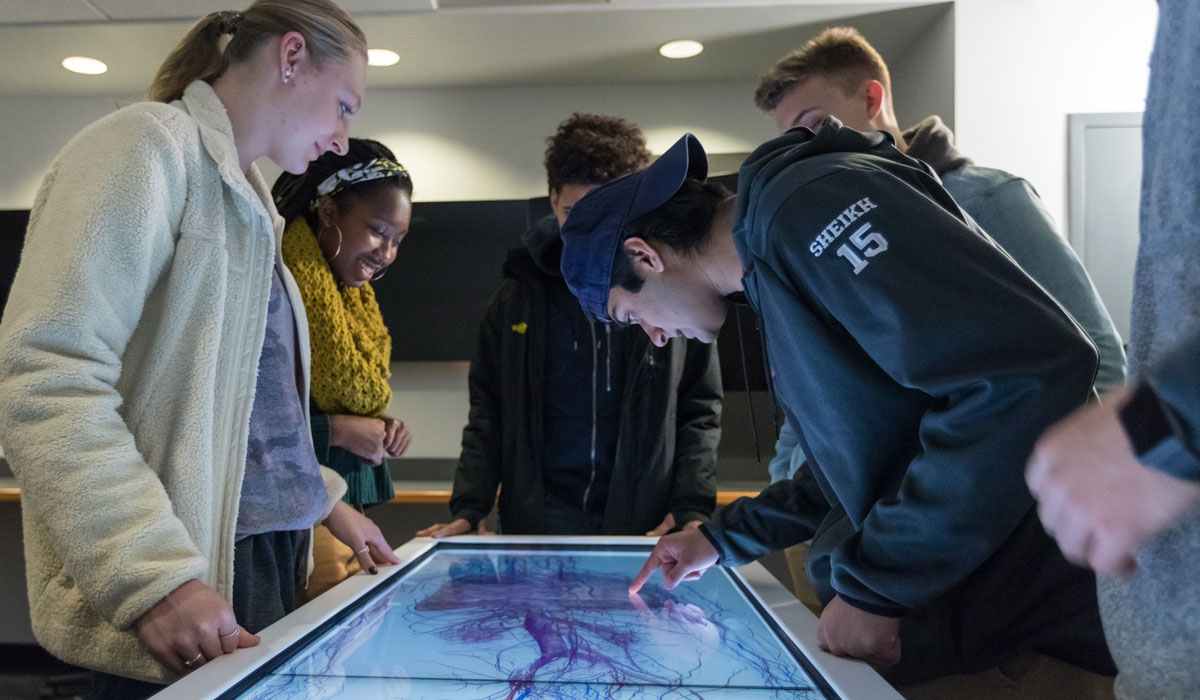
(128, 357)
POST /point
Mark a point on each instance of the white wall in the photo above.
(479, 144)
(465, 144)
(34, 130)
(923, 76)
(468, 144)
(1022, 65)
(432, 400)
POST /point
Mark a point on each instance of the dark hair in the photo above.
(328, 32)
(590, 149)
(294, 193)
(839, 54)
(682, 224)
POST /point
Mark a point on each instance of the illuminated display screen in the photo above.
(520, 622)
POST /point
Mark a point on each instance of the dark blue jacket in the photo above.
(918, 364)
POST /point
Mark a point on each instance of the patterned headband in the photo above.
(375, 169)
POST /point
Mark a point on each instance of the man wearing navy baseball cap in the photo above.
(919, 364)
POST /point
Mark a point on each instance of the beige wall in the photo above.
(1021, 66)
(461, 144)
(479, 144)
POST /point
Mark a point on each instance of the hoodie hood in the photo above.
(933, 142)
(778, 167)
(541, 251)
(544, 243)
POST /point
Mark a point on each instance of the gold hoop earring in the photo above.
(339, 245)
(382, 272)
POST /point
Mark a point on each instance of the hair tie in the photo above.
(228, 21)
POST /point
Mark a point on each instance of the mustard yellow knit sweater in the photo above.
(351, 347)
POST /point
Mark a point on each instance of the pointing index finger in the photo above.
(652, 562)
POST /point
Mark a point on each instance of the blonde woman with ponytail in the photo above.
(154, 357)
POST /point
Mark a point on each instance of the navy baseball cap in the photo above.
(597, 223)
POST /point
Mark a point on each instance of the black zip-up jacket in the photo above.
(919, 364)
(666, 448)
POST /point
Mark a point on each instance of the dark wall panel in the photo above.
(448, 267)
(12, 238)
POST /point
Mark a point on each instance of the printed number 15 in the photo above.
(870, 243)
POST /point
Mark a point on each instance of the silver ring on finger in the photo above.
(364, 549)
(189, 664)
(236, 631)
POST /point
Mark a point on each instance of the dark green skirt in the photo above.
(365, 484)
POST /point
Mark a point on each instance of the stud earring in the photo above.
(287, 77)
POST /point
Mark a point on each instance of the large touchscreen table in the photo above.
(524, 620)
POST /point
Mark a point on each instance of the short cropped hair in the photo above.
(839, 54)
(682, 224)
(589, 149)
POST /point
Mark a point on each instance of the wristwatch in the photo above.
(1147, 422)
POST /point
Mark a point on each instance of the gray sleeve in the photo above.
(788, 455)
(1014, 215)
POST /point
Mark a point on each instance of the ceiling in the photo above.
(459, 43)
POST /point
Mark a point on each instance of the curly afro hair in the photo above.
(590, 149)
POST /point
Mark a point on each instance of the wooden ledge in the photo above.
(12, 494)
(724, 498)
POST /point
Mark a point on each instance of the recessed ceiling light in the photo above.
(382, 57)
(684, 48)
(85, 65)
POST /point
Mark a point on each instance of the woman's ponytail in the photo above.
(200, 56)
(205, 53)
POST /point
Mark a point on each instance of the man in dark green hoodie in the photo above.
(585, 429)
(917, 362)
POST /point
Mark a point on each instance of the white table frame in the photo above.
(852, 680)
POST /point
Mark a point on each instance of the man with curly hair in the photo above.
(586, 428)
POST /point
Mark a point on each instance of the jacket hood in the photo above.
(801, 155)
(933, 142)
(541, 251)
